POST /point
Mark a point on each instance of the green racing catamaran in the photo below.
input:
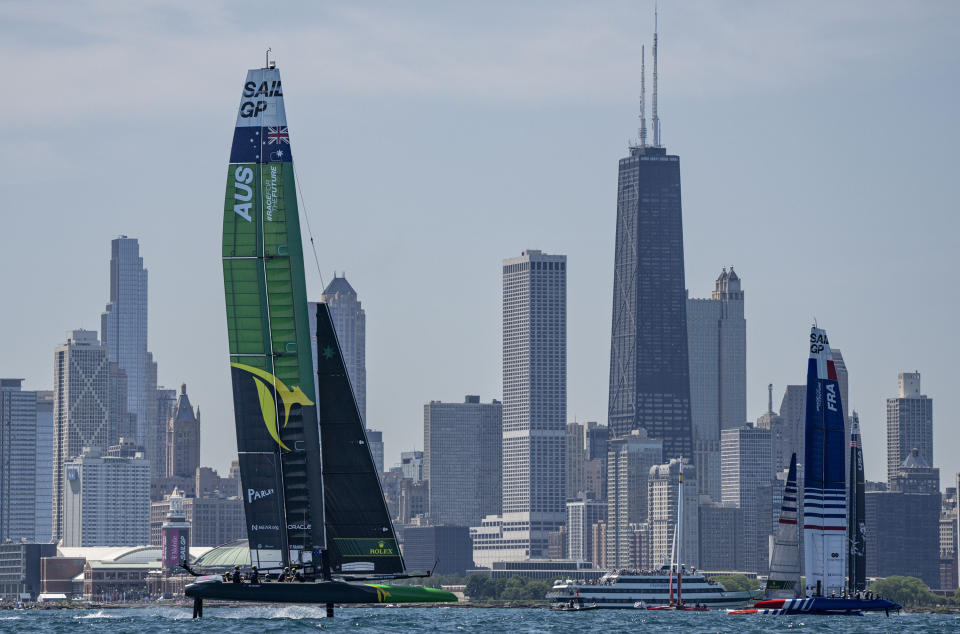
(312, 496)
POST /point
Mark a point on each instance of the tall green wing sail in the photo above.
(270, 353)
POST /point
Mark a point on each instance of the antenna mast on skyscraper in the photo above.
(643, 97)
(656, 118)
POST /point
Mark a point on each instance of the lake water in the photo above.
(289, 619)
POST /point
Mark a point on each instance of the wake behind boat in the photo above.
(314, 508)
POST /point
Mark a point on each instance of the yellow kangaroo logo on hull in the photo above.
(268, 406)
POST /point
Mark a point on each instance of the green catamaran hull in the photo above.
(320, 592)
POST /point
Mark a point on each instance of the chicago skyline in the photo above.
(562, 145)
(673, 371)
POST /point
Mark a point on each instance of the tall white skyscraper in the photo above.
(717, 343)
(535, 394)
(350, 324)
(89, 406)
(909, 424)
(534, 411)
(123, 327)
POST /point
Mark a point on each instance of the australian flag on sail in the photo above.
(261, 145)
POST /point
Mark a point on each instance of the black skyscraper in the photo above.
(649, 366)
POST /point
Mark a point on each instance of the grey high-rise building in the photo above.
(597, 436)
(717, 343)
(793, 411)
(183, 438)
(576, 453)
(89, 406)
(123, 328)
(781, 438)
(721, 536)
(746, 465)
(581, 516)
(909, 424)
(629, 460)
(166, 402)
(106, 500)
(25, 463)
(44, 506)
(350, 324)
(461, 460)
(595, 461)
(534, 398)
(649, 366)
(903, 524)
(375, 440)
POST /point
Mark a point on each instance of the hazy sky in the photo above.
(432, 140)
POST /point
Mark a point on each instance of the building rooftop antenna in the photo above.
(643, 97)
(656, 118)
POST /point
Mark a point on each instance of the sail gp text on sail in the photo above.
(251, 90)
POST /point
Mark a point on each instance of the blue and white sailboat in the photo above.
(824, 485)
(824, 501)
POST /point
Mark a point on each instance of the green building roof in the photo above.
(227, 556)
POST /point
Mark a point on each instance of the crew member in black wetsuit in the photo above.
(236, 575)
(254, 575)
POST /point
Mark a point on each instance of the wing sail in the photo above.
(824, 492)
(360, 535)
(268, 327)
